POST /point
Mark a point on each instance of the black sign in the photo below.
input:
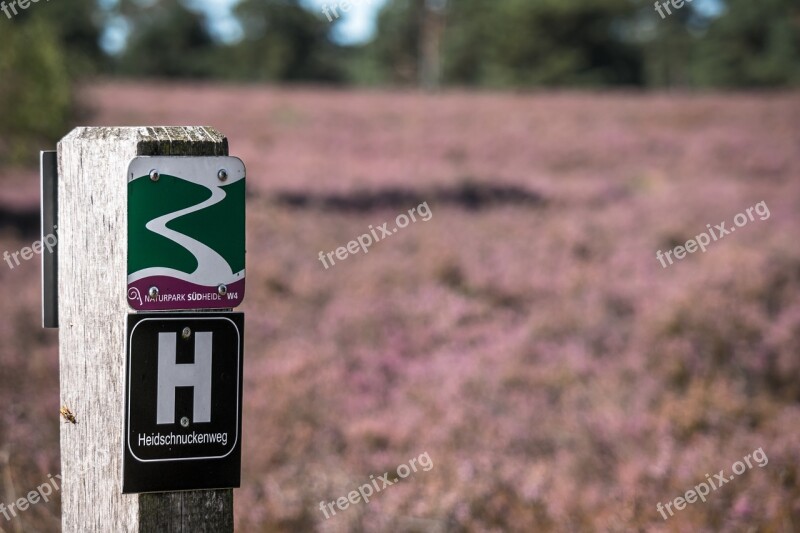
(183, 402)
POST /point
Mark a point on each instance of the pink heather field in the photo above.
(525, 337)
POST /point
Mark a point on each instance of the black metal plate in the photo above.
(183, 402)
(49, 227)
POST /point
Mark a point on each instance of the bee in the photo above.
(68, 415)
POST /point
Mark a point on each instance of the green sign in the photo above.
(186, 233)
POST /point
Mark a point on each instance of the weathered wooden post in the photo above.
(156, 396)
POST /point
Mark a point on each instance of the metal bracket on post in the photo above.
(49, 242)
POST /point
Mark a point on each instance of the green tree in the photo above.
(516, 42)
(44, 48)
(668, 43)
(754, 44)
(282, 41)
(35, 89)
(396, 49)
(168, 40)
(78, 24)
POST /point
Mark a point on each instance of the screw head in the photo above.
(153, 292)
(186, 333)
(222, 290)
(154, 175)
(185, 422)
(222, 174)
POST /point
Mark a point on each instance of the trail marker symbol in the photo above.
(186, 233)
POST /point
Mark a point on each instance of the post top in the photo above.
(158, 140)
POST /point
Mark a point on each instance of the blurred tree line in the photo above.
(528, 43)
(480, 43)
(42, 51)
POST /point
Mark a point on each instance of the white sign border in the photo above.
(238, 385)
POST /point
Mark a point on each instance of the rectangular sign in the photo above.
(183, 402)
(186, 233)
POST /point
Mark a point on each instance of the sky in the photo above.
(356, 26)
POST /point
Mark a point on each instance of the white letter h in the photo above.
(172, 375)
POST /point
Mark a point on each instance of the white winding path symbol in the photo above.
(212, 269)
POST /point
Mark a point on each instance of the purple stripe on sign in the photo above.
(176, 295)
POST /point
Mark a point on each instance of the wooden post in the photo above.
(92, 305)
